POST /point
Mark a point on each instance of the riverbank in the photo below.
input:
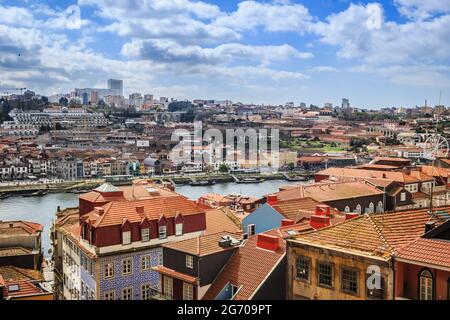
(88, 184)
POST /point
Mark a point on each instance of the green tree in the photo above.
(224, 168)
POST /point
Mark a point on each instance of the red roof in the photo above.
(20, 227)
(297, 209)
(373, 234)
(435, 252)
(118, 211)
(175, 274)
(25, 288)
(248, 268)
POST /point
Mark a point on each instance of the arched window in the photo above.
(380, 207)
(358, 208)
(371, 207)
(347, 209)
(426, 285)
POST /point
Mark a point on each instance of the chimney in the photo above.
(384, 175)
(225, 242)
(351, 215)
(268, 242)
(322, 210)
(287, 222)
(99, 210)
(319, 221)
(272, 199)
(140, 210)
(429, 226)
(11, 225)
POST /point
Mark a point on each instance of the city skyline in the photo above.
(376, 54)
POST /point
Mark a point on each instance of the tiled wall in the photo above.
(134, 280)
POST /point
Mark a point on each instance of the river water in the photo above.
(42, 209)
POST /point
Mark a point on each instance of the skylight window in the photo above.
(13, 288)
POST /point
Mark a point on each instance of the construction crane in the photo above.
(6, 90)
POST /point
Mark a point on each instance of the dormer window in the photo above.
(179, 229)
(126, 237)
(162, 232)
(145, 234)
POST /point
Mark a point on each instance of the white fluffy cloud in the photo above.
(272, 17)
(422, 9)
(174, 40)
(386, 42)
(172, 52)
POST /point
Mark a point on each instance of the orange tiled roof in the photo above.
(323, 192)
(136, 191)
(14, 251)
(391, 159)
(26, 288)
(296, 209)
(435, 171)
(217, 220)
(12, 273)
(421, 175)
(117, 212)
(373, 234)
(20, 227)
(202, 245)
(429, 251)
(247, 268)
(363, 173)
(175, 274)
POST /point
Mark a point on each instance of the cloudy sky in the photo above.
(377, 54)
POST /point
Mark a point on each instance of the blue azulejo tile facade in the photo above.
(138, 277)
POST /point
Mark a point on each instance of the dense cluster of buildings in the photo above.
(372, 224)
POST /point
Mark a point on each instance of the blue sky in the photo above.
(377, 54)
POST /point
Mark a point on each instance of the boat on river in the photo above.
(250, 180)
(38, 193)
(4, 195)
(203, 183)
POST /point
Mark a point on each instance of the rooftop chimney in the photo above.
(272, 199)
(225, 242)
(11, 225)
(351, 215)
(319, 221)
(322, 210)
(99, 210)
(268, 242)
(429, 226)
(287, 222)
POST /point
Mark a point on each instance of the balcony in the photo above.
(158, 295)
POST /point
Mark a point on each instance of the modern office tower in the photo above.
(116, 84)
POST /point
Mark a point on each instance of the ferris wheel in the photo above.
(436, 146)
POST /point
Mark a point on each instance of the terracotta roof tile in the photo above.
(217, 220)
(20, 227)
(12, 273)
(247, 268)
(297, 209)
(175, 274)
(429, 251)
(323, 192)
(375, 234)
(203, 245)
(14, 251)
(26, 288)
(117, 211)
(401, 177)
